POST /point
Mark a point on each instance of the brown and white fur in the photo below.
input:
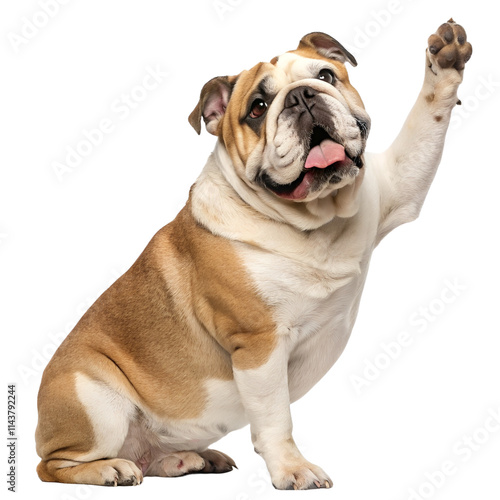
(241, 304)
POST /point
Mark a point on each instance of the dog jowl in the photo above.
(241, 304)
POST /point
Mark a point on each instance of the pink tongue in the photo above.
(325, 154)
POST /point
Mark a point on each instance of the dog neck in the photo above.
(222, 199)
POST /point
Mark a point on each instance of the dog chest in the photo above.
(314, 302)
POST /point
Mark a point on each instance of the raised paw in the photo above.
(216, 461)
(305, 476)
(448, 47)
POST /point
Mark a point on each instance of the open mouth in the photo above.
(327, 162)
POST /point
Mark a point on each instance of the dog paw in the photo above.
(181, 463)
(118, 472)
(448, 47)
(305, 476)
(216, 461)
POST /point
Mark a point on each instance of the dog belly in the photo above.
(149, 439)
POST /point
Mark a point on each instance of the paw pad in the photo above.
(449, 46)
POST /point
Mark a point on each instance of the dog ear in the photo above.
(214, 98)
(327, 46)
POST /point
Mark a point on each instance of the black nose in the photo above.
(300, 96)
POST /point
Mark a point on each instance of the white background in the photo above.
(62, 242)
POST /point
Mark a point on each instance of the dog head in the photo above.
(294, 127)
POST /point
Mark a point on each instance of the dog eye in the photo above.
(259, 107)
(326, 75)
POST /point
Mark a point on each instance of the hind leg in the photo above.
(180, 463)
(108, 472)
(216, 461)
(81, 428)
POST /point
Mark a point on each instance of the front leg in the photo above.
(405, 171)
(265, 397)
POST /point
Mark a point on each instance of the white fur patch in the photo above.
(108, 412)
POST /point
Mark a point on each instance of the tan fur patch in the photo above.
(171, 322)
(224, 299)
(62, 421)
(240, 140)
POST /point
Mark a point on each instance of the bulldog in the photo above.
(240, 305)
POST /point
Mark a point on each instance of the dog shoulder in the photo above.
(223, 295)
